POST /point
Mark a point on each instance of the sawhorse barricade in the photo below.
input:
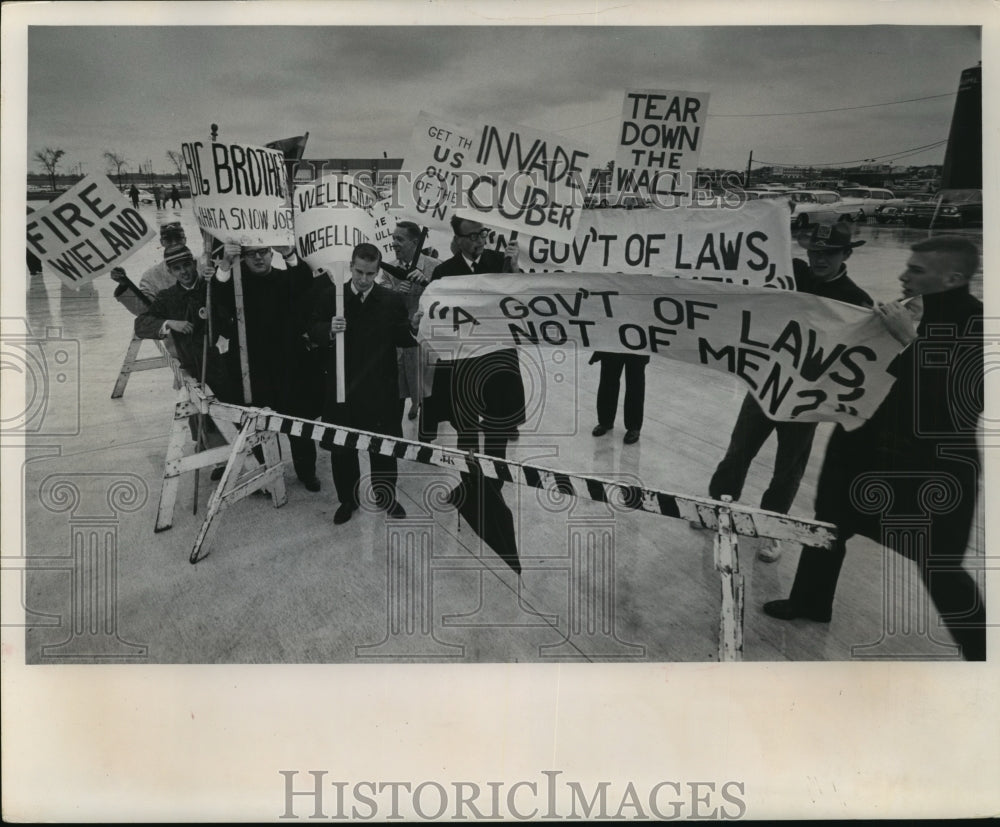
(236, 426)
(132, 364)
(726, 519)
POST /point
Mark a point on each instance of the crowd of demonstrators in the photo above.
(413, 269)
(919, 447)
(480, 393)
(370, 327)
(924, 430)
(828, 246)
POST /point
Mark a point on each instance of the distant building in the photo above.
(379, 172)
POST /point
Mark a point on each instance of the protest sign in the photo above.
(659, 141)
(534, 182)
(332, 216)
(749, 245)
(804, 358)
(385, 218)
(440, 155)
(240, 193)
(86, 231)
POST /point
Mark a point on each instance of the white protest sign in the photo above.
(385, 218)
(86, 231)
(441, 154)
(804, 358)
(534, 182)
(240, 193)
(332, 216)
(749, 245)
(659, 142)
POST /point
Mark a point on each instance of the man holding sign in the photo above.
(828, 247)
(486, 391)
(277, 351)
(370, 326)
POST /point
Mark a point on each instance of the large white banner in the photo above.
(332, 216)
(659, 141)
(534, 182)
(804, 358)
(750, 245)
(240, 193)
(86, 231)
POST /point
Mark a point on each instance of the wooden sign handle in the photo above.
(338, 281)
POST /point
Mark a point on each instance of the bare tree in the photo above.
(49, 159)
(177, 160)
(116, 162)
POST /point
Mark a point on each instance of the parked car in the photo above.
(810, 206)
(867, 200)
(892, 211)
(950, 208)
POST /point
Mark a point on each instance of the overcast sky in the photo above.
(139, 91)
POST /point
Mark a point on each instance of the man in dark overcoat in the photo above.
(908, 477)
(371, 325)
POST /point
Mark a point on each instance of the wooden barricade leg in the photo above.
(236, 484)
(272, 458)
(131, 364)
(179, 436)
(728, 565)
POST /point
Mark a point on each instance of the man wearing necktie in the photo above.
(374, 323)
(487, 390)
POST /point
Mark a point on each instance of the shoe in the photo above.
(395, 510)
(631, 437)
(311, 483)
(217, 473)
(770, 551)
(786, 610)
(414, 411)
(343, 513)
(601, 430)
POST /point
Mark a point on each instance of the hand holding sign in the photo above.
(338, 324)
(511, 254)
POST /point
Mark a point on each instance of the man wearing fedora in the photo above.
(828, 246)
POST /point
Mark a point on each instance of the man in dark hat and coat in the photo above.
(828, 246)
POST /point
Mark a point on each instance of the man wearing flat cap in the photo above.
(178, 312)
(828, 245)
(155, 279)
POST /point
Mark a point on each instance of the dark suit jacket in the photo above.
(375, 328)
(490, 261)
(488, 386)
